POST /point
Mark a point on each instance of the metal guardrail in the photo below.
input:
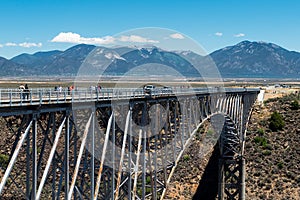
(16, 97)
(38, 96)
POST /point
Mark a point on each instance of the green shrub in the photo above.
(276, 121)
(260, 141)
(287, 98)
(280, 165)
(148, 190)
(4, 159)
(261, 131)
(266, 152)
(148, 180)
(186, 157)
(268, 146)
(295, 105)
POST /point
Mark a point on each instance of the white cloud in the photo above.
(136, 38)
(1, 45)
(70, 37)
(239, 35)
(219, 34)
(24, 44)
(177, 36)
(11, 44)
(30, 44)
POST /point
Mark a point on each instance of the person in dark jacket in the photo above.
(26, 92)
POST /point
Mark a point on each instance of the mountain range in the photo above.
(245, 59)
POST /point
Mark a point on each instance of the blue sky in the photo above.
(41, 25)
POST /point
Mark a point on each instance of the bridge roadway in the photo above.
(118, 143)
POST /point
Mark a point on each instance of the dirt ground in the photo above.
(279, 92)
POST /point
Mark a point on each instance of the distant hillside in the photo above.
(55, 62)
(117, 61)
(257, 59)
(9, 68)
(152, 59)
(245, 59)
(38, 58)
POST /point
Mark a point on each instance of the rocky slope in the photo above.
(273, 166)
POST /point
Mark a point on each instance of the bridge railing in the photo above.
(15, 97)
(37, 96)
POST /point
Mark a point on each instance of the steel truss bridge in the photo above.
(115, 145)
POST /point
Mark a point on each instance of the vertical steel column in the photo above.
(136, 167)
(28, 166)
(170, 129)
(155, 131)
(122, 155)
(93, 154)
(113, 156)
(221, 180)
(34, 157)
(75, 139)
(182, 127)
(110, 121)
(144, 150)
(189, 117)
(130, 153)
(176, 138)
(54, 163)
(163, 149)
(67, 143)
(242, 179)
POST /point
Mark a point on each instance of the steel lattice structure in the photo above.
(119, 148)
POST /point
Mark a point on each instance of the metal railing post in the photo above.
(10, 98)
(72, 96)
(49, 96)
(41, 97)
(30, 96)
(65, 96)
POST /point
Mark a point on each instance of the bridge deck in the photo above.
(14, 97)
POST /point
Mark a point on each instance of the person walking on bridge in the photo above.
(26, 92)
(22, 94)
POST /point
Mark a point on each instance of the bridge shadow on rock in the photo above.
(208, 185)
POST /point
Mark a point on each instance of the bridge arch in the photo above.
(227, 141)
